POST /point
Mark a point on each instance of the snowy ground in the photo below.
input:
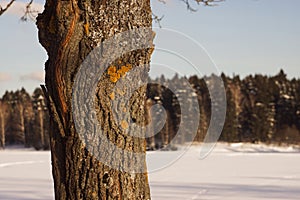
(237, 171)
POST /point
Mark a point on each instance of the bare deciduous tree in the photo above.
(4, 9)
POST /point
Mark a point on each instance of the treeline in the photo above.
(24, 120)
(259, 109)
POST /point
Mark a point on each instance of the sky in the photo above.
(235, 37)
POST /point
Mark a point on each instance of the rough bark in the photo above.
(69, 30)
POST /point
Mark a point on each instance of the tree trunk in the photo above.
(22, 123)
(151, 140)
(2, 126)
(41, 125)
(69, 31)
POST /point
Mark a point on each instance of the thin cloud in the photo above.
(34, 76)
(5, 77)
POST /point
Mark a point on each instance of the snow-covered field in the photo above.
(235, 172)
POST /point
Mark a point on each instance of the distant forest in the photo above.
(24, 119)
(259, 109)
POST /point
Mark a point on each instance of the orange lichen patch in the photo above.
(111, 70)
(124, 124)
(86, 28)
(115, 74)
(112, 96)
(114, 77)
(124, 69)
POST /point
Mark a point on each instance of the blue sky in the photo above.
(241, 37)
